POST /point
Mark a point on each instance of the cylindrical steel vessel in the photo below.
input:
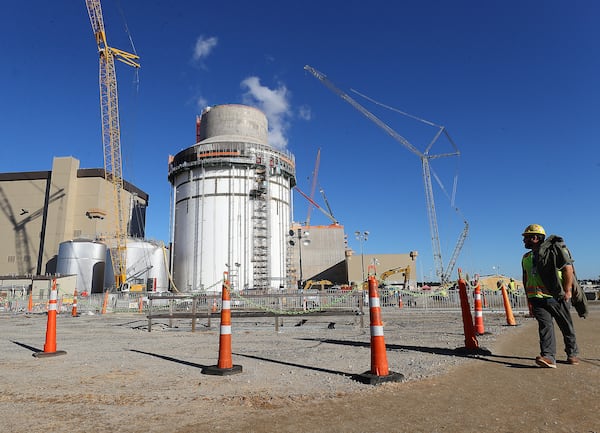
(86, 259)
(147, 266)
(231, 204)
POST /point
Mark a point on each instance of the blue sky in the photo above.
(514, 82)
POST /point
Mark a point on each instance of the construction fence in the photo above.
(271, 303)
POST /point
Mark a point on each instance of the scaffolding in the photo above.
(260, 227)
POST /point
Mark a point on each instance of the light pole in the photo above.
(362, 237)
(497, 270)
(302, 236)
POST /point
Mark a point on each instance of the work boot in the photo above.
(572, 360)
(544, 362)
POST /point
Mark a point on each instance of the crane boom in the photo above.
(313, 185)
(323, 79)
(461, 240)
(425, 157)
(311, 201)
(326, 201)
(111, 133)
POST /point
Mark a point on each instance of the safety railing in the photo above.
(291, 302)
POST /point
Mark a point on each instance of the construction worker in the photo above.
(512, 292)
(548, 279)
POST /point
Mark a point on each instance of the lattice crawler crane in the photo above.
(111, 135)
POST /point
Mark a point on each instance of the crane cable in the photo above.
(427, 122)
(136, 89)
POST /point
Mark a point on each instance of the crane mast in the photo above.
(425, 157)
(433, 225)
(111, 134)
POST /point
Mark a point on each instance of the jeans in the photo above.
(546, 309)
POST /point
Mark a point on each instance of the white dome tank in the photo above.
(146, 266)
(231, 204)
(85, 259)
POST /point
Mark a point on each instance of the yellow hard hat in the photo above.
(534, 229)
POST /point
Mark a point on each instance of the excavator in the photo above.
(388, 296)
(317, 284)
(384, 276)
(405, 270)
(401, 269)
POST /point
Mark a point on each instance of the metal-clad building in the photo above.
(380, 263)
(317, 253)
(231, 204)
(41, 209)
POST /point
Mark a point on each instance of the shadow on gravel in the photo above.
(444, 351)
(293, 364)
(529, 361)
(130, 324)
(171, 359)
(33, 349)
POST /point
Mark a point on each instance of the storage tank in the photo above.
(231, 204)
(85, 259)
(147, 268)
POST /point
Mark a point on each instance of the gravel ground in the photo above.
(117, 376)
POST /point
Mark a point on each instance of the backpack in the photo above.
(554, 254)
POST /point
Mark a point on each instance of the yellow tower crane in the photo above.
(111, 134)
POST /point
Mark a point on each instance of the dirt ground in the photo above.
(116, 376)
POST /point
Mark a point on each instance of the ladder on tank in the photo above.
(291, 271)
(260, 229)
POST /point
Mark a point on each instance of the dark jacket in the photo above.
(552, 255)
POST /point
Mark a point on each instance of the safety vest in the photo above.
(534, 287)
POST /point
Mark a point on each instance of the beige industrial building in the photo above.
(317, 253)
(41, 209)
(321, 253)
(378, 264)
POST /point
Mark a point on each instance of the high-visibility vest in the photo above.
(534, 287)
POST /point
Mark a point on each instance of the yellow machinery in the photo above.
(320, 284)
(111, 135)
(405, 270)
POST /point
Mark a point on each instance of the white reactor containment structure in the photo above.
(231, 204)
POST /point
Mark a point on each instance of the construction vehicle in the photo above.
(321, 284)
(405, 270)
(425, 157)
(111, 136)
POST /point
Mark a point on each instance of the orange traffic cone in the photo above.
(479, 328)
(74, 309)
(379, 366)
(471, 343)
(30, 302)
(214, 306)
(400, 303)
(104, 302)
(50, 344)
(225, 365)
(510, 318)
